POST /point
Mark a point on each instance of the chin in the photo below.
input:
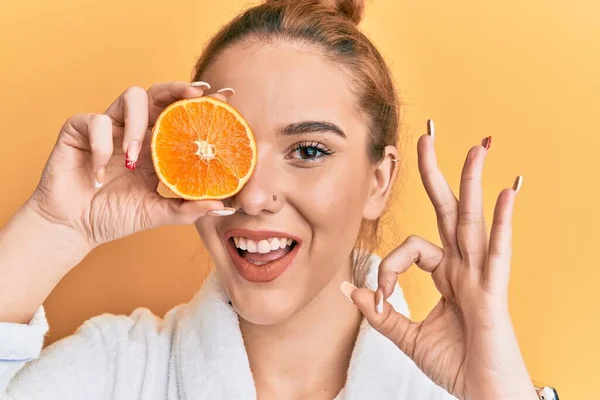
(271, 308)
(259, 270)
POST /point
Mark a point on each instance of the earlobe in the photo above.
(382, 181)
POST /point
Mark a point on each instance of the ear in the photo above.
(382, 180)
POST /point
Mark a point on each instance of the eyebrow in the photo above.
(299, 128)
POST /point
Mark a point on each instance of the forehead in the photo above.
(282, 82)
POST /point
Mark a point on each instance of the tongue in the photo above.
(267, 257)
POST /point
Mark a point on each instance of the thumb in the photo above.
(390, 323)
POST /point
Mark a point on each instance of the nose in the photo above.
(260, 194)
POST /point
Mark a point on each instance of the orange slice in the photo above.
(202, 148)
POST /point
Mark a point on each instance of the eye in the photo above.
(309, 151)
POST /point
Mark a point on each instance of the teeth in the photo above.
(262, 246)
(274, 243)
(251, 246)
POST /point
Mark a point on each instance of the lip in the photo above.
(260, 273)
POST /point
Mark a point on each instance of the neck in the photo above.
(307, 355)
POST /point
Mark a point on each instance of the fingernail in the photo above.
(226, 91)
(223, 212)
(200, 84)
(431, 129)
(486, 142)
(99, 181)
(379, 301)
(518, 183)
(347, 289)
(133, 151)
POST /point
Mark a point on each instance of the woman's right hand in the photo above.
(99, 180)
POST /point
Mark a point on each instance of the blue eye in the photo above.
(309, 151)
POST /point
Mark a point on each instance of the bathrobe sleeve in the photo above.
(109, 356)
(72, 368)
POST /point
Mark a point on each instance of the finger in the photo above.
(93, 132)
(130, 110)
(226, 91)
(163, 94)
(390, 323)
(499, 255)
(439, 192)
(101, 144)
(414, 250)
(223, 94)
(471, 233)
(179, 211)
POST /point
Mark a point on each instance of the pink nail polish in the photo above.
(487, 142)
(132, 155)
(129, 164)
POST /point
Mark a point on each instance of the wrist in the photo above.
(35, 254)
(505, 393)
(48, 234)
(509, 389)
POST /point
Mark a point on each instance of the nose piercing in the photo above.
(274, 198)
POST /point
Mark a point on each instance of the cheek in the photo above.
(207, 228)
(331, 199)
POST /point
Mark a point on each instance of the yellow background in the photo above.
(525, 72)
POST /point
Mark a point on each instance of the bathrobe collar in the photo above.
(212, 362)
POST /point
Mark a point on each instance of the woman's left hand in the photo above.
(467, 343)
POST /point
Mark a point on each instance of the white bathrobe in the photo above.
(195, 352)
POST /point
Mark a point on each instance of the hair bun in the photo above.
(351, 9)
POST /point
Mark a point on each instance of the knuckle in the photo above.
(133, 93)
(412, 240)
(152, 90)
(498, 224)
(388, 280)
(388, 325)
(468, 217)
(471, 257)
(155, 86)
(413, 243)
(74, 119)
(500, 252)
(468, 175)
(97, 120)
(445, 211)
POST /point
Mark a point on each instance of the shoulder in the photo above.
(139, 327)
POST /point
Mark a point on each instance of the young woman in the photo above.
(271, 321)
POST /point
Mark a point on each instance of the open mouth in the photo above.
(261, 256)
(261, 252)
